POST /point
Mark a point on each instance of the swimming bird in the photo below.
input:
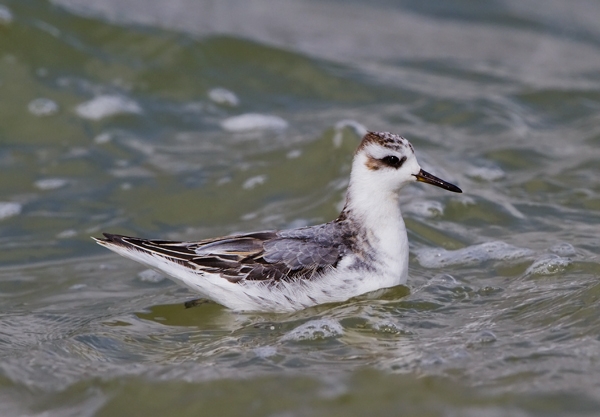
(364, 249)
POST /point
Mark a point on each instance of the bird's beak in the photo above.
(425, 176)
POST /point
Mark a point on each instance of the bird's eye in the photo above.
(393, 161)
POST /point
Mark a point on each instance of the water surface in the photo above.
(188, 120)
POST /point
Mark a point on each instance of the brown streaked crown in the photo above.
(385, 139)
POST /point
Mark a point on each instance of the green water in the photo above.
(111, 119)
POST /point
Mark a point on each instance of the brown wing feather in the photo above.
(265, 256)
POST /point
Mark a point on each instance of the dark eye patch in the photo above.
(393, 161)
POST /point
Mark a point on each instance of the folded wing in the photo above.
(262, 256)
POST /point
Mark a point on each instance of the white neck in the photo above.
(377, 210)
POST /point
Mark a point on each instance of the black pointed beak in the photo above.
(425, 176)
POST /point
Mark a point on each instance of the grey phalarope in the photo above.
(363, 250)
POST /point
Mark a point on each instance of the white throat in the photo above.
(375, 208)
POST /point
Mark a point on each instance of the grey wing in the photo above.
(305, 252)
(297, 254)
(264, 256)
(272, 256)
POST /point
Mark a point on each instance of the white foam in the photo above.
(6, 16)
(358, 128)
(249, 216)
(298, 223)
(549, 264)
(425, 208)
(293, 154)
(106, 106)
(387, 327)
(77, 287)
(315, 330)
(42, 107)
(150, 275)
(563, 249)
(9, 209)
(471, 255)
(51, 183)
(223, 96)
(485, 173)
(253, 121)
(65, 234)
(446, 280)
(102, 138)
(484, 337)
(131, 172)
(265, 351)
(254, 181)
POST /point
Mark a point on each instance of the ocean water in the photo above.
(193, 119)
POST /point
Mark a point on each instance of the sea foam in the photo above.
(253, 121)
(471, 255)
(106, 106)
(315, 330)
